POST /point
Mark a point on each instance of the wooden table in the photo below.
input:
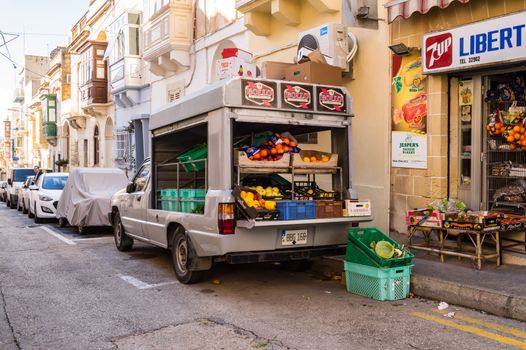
(476, 237)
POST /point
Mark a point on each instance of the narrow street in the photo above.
(61, 290)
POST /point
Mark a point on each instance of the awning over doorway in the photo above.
(406, 8)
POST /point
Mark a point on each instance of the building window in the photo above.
(96, 146)
(133, 41)
(122, 144)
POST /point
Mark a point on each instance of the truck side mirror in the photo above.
(130, 187)
(10, 182)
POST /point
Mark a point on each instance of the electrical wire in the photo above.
(354, 48)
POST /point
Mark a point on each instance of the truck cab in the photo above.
(185, 198)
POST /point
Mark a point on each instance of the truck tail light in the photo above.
(225, 218)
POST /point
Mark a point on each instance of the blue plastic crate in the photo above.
(296, 210)
(378, 283)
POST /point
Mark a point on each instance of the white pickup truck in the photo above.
(185, 203)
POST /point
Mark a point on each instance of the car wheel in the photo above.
(37, 219)
(19, 206)
(182, 253)
(7, 204)
(24, 209)
(122, 241)
(82, 229)
(11, 204)
(62, 222)
(29, 212)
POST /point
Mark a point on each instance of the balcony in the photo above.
(49, 130)
(94, 76)
(259, 13)
(168, 36)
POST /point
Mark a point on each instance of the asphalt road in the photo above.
(61, 290)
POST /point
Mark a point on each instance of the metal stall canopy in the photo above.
(259, 94)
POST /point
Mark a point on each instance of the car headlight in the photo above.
(44, 198)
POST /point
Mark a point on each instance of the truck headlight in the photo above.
(44, 198)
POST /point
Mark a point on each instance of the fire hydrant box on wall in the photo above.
(234, 67)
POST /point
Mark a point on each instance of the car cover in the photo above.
(85, 200)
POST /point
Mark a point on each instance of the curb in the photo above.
(487, 300)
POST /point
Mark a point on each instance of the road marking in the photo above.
(137, 283)
(89, 239)
(474, 330)
(58, 235)
(505, 329)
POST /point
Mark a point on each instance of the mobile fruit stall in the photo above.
(229, 175)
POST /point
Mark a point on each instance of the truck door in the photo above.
(134, 213)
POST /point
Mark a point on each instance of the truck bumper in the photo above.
(284, 255)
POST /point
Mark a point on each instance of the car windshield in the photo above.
(54, 182)
(20, 175)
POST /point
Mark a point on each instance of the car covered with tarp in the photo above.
(85, 200)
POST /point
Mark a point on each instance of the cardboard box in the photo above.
(424, 218)
(315, 73)
(362, 208)
(235, 52)
(234, 67)
(274, 70)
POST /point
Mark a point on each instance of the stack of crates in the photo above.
(196, 158)
(371, 276)
(190, 199)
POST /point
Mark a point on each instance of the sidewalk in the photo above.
(497, 290)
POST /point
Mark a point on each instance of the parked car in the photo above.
(15, 180)
(85, 200)
(44, 196)
(24, 194)
(3, 188)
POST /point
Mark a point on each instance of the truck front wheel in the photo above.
(182, 253)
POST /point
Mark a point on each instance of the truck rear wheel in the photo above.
(182, 253)
(122, 241)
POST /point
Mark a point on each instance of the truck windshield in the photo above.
(20, 175)
(54, 182)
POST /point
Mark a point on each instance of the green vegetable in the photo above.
(384, 250)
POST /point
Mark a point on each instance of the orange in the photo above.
(293, 144)
(517, 136)
(264, 153)
(517, 128)
(306, 159)
(523, 137)
(512, 146)
(286, 141)
(273, 151)
(498, 125)
(523, 143)
(510, 138)
(313, 159)
(488, 127)
(256, 156)
(324, 159)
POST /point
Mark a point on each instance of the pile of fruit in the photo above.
(273, 149)
(267, 192)
(255, 201)
(313, 159)
(511, 126)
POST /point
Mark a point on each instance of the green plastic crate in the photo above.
(197, 153)
(378, 283)
(171, 196)
(362, 237)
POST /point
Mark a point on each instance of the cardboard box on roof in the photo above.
(315, 73)
(274, 70)
(315, 70)
(234, 67)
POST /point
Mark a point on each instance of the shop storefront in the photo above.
(474, 68)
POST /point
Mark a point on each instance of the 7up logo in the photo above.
(439, 51)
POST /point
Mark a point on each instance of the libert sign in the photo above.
(501, 39)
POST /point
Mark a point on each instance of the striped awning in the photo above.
(405, 8)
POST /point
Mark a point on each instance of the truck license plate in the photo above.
(294, 237)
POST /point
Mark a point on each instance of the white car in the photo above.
(45, 195)
(24, 194)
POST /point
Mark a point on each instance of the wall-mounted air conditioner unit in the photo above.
(331, 39)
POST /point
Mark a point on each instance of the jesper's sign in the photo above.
(483, 43)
